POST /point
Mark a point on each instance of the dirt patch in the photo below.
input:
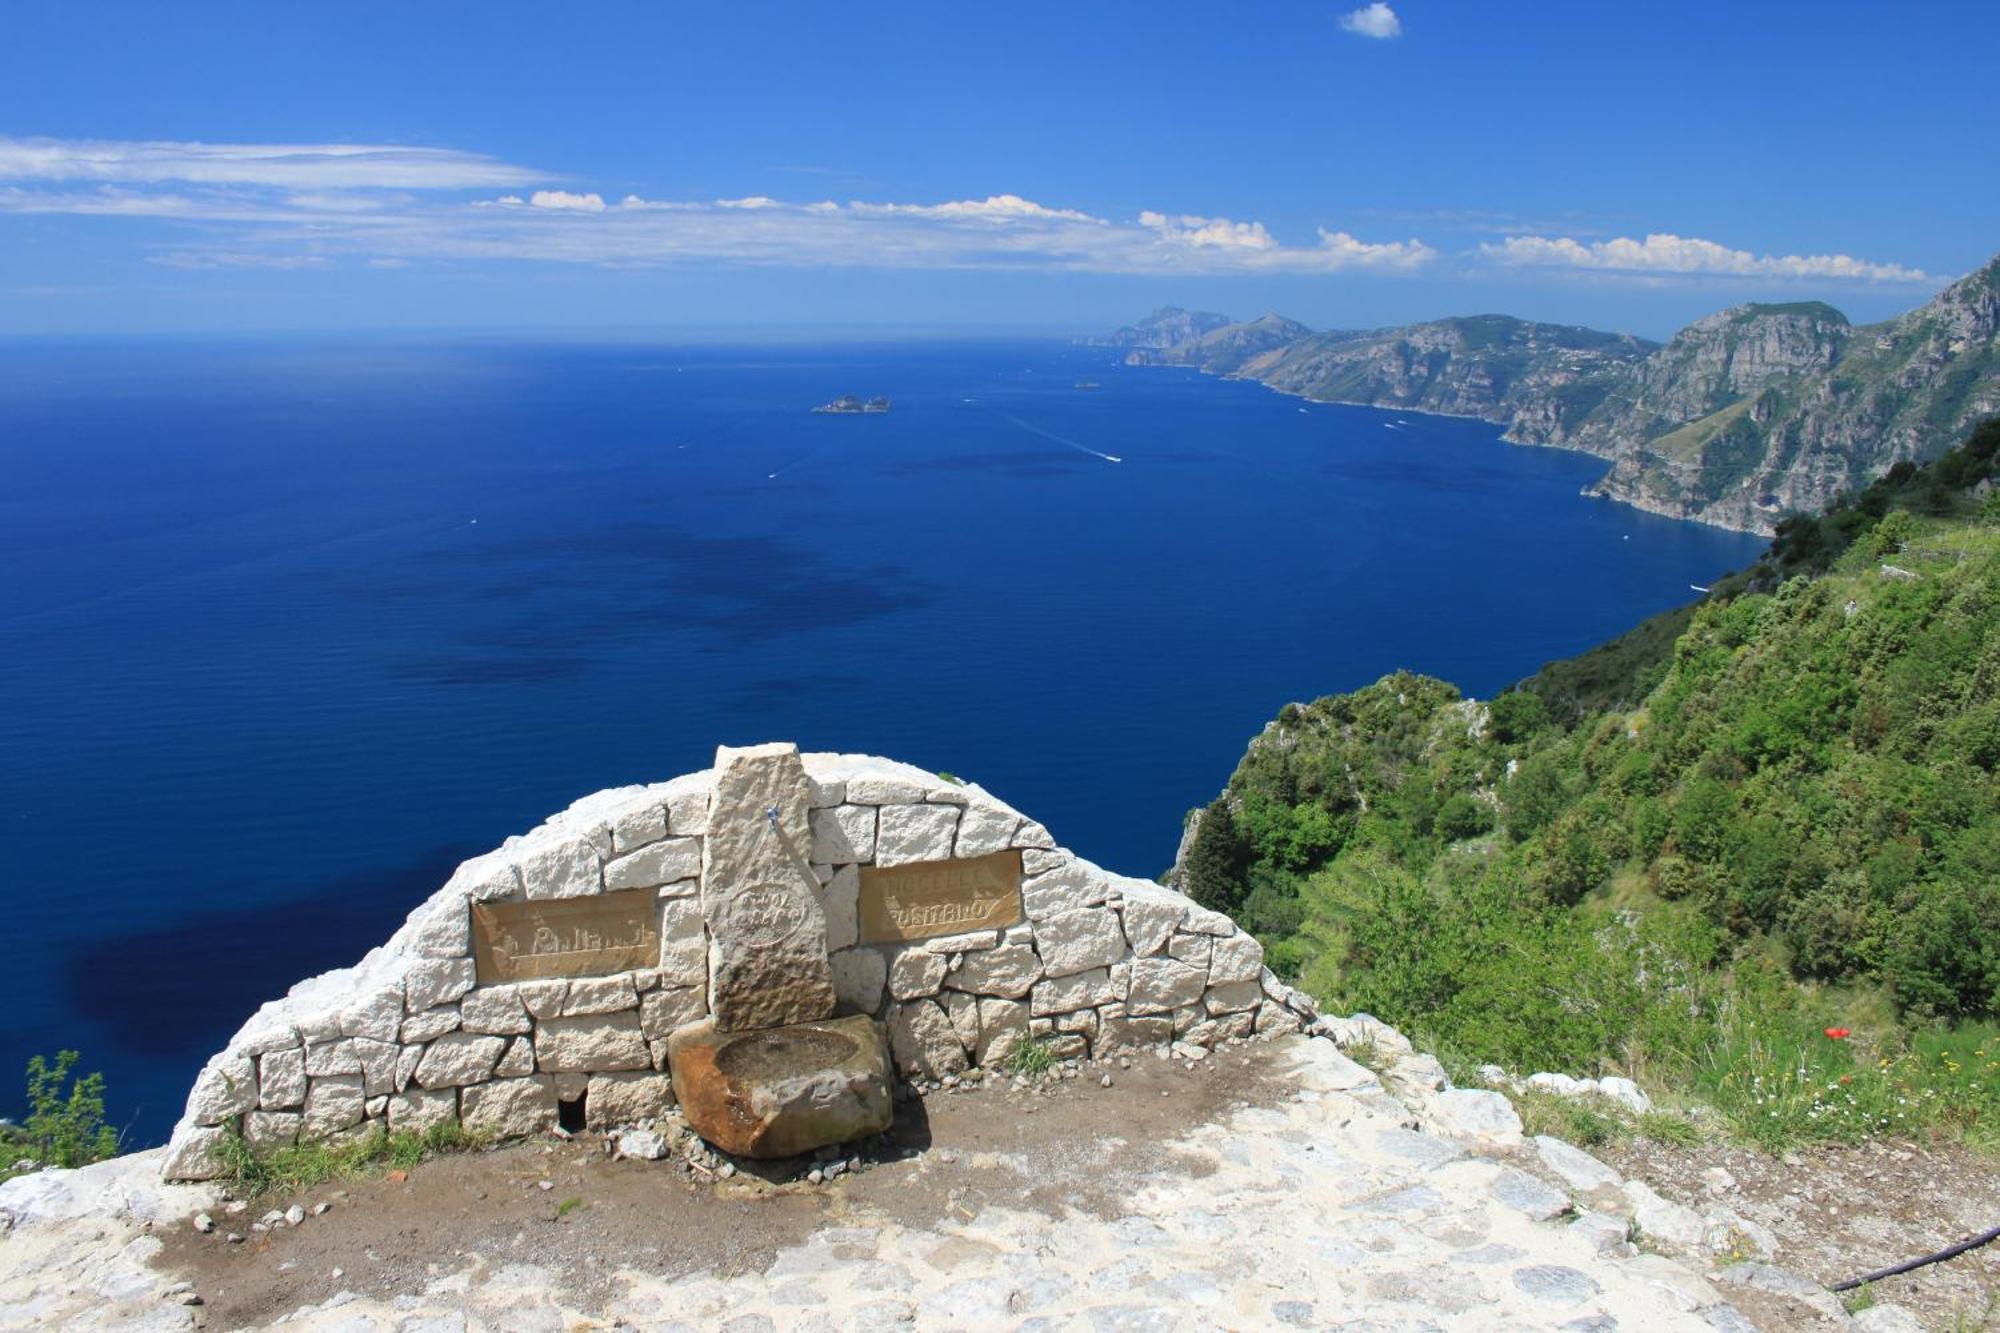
(1067, 1144)
(1840, 1211)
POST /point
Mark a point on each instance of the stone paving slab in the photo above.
(1325, 1211)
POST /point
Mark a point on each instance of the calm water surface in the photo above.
(287, 629)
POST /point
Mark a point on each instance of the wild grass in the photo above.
(1029, 1058)
(301, 1166)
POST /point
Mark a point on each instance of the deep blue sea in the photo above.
(288, 628)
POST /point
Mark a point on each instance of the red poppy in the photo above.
(1840, 1034)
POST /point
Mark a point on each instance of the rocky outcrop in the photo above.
(1744, 416)
(1485, 366)
(1226, 350)
(421, 1032)
(1851, 406)
(1169, 326)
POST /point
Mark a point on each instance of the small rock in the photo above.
(815, 1176)
(1104, 1082)
(233, 1238)
(1886, 1319)
(320, 1208)
(545, 1184)
(274, 1218)
(294, 1215)
(727, 1170)
(235, 1206)
(203, 1223)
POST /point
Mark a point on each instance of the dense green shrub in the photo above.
(1791, 785)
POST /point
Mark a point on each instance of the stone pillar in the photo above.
(767, 955)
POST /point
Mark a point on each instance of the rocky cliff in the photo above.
(1487, 366)
(1169, 326)
(1799, 407)
(1746, 415)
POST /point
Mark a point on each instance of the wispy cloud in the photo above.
(283, 206)
(323, 166)
(305, 206)
(1662, 253)
(1376, 20)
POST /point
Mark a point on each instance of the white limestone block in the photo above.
(840, 899)
(876, 790)
(543, 999)
(637, 826)
(333, 1103)
(912, 833)
(459, 1059)
(226, 1087)
(1233, 997)
(1162, 985)
(683, 943)
(614, 1100)
(600, 995)
(1079, 990)
(1236, 958)
(560, 867)
(435, 981)
(1009, 971)
(1064, 889)
(596, 1043)
(495, 1011)
(420, 1109)
(661, 1011)
(519, 1060)
(281, 1079)
(429, 1025)
(509, 1107)
(1077, 940)
(985, 829)
(915, 973)
(1003, 1024)
(843, 834)
(858, 978)
(378, 1014)
(658, 863)
(267, 1131)
(922, 1038)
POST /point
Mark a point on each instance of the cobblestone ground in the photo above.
(1327, 1210)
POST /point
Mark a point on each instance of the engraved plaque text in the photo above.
(915, 902)
(566, 937)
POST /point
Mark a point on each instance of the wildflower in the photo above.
(1840, 1034)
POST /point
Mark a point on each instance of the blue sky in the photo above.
(221, 167)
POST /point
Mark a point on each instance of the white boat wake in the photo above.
(1060, 439)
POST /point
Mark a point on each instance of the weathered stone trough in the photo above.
(628, 952)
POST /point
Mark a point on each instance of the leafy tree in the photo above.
(1218, 861)
(67, 1128)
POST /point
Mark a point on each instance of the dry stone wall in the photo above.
(412, 1037)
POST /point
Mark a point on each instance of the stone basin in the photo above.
(782, 1091)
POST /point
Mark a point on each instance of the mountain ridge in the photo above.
(1747, 414)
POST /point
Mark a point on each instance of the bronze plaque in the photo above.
(915, 902)
(566, 937)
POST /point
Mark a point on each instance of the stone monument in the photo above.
(771, 1072)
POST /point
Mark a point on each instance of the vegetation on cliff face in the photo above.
(1686, 853)
(1745, 416)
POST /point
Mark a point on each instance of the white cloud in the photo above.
(564, 200)
(1662, 253)
(994, 208)
(296, 166)
(1376, 20)
(283, 206)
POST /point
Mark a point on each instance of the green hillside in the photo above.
(1682, 854)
